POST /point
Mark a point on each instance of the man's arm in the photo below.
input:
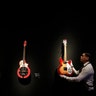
(75, 71)
(78, 78)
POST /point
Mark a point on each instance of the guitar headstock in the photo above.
(65, 42)
(25, 43)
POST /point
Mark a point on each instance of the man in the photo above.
(85, 75)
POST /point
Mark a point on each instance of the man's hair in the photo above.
(88, 55)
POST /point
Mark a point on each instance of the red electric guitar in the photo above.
(65, 65)
(23, 71)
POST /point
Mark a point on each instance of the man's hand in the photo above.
(63, 76)
(71, 64)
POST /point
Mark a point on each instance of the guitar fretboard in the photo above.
(25, 43)
(65, 49)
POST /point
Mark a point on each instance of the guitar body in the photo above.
(64, 67)
(23, 71)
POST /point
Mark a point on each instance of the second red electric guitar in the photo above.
(64, 67)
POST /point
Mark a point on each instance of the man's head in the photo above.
(85, 57)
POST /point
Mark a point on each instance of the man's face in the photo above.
(83, 58)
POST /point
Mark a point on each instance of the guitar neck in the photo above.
(65, 53)
(25, 43)
(24, 55)
(65, 49)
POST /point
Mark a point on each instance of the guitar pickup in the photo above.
(65, 68)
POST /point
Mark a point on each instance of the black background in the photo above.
(44, 32)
